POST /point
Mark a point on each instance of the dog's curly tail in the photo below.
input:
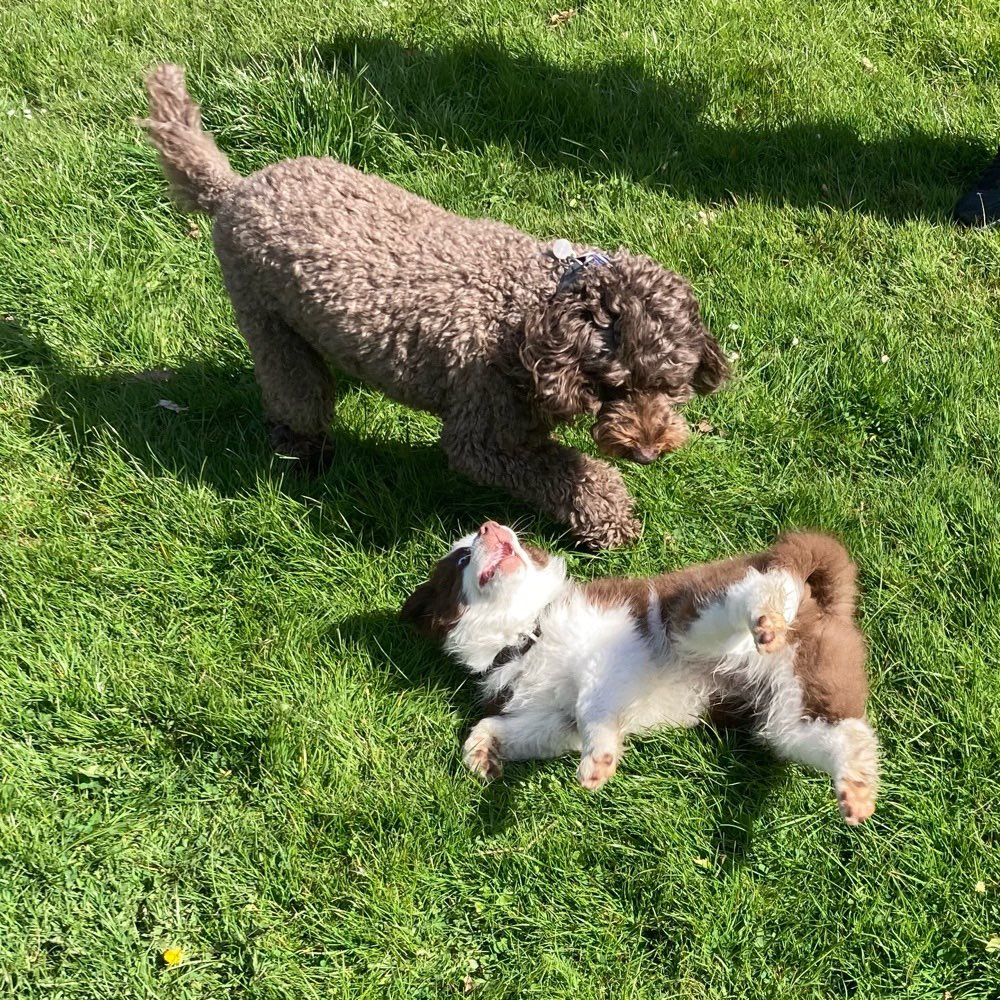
(198, 172)
(822, 562)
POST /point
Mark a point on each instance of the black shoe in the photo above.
(981, 206)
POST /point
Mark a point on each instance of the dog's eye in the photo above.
(464, 555)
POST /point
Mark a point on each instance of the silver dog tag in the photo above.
(562, 250)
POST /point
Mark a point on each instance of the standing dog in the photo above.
(581, 666)
(499, 334)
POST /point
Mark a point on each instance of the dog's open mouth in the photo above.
(497, 558)
(501, 556)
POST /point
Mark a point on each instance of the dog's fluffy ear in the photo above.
(564, 342)
(416, 609)
(435, 607)
(712, 370)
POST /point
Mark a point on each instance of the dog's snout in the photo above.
(645, 456)
(488, 526)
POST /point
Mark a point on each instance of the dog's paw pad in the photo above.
(596, 769)
(482, 759)
(769, 632)
(857, 800)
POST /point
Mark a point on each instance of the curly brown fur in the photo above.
(641, 426)
(465, 318)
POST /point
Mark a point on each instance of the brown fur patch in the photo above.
(539, 557)
(616, 592)
(641, 427)
(436, 605)
(831, 654)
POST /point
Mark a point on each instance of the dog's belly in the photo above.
(678, 696)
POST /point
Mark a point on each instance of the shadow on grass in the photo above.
(619, 117)
(220, 441)
(750, 776)
(381, 488)
(418, 663)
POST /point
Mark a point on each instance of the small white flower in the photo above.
(734, 326)
(885, 358)
(795, 341)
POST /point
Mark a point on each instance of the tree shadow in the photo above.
(619, 116)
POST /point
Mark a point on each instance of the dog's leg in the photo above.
(521, 736)
(612, 690)
(296, 386)
(846, 750)
(752, 612)
(599, 715)
(772, 605)
(575, 489)
(603, 744)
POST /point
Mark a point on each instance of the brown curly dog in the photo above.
(501, 335)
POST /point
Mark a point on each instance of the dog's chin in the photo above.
(639, 433)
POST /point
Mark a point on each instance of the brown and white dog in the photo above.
(580, 666)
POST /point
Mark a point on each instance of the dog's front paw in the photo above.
(313, 454)
(609, 535)
(595, 769)
(481, 754)
(857, 800)
(770, 632)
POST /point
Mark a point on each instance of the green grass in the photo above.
(215, 734)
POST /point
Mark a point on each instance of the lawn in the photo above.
(216, 736)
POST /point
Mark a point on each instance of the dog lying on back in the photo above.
(769, 638)
(501, 335)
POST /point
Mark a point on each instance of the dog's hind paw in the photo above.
(595, 769)
(857, 800)
(769, 632)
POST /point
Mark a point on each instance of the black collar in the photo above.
(516, 649)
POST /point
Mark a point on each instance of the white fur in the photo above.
(593, 677)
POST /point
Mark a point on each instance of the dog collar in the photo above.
(516, 649)
(573, 263)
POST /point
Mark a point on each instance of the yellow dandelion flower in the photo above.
(172, 956)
